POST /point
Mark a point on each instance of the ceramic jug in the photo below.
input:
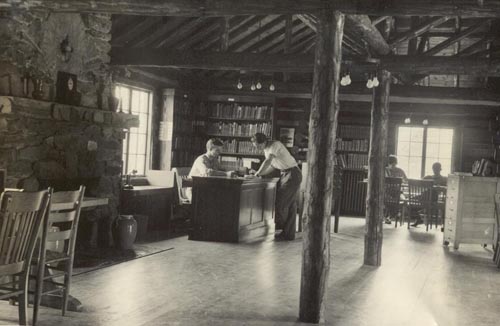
(125, 231)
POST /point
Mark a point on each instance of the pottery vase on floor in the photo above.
(125, 231)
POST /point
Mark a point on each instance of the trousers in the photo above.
(286, 204)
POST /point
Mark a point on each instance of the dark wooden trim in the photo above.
(464, 8)
(168, 58)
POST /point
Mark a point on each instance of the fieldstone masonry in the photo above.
(43, 143)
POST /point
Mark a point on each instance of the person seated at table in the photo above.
(392, 170)
(437, 178)
(395, 172)
(208, 164)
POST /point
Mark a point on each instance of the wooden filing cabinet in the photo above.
(470, 210)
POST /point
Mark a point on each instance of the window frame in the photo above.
(149, 132)
(424, 145)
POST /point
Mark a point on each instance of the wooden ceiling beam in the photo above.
(439, 65)
(167, 28)
(361, 25)
(266, 23)
(457, 38)
(379, 19)
(181, 32)
(421, 29)
(475, 47)
(212, 26)
(464, 8)
(236, 25)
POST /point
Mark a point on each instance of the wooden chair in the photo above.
(21, 216)
(59, 231)
(420, 199)
(181, 208)
(394, 206)
(439, 205)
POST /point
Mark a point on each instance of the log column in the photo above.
(322, 131)
(376, 172)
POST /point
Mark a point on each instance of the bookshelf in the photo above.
(234, 119)
(352, 146)
(182, 129)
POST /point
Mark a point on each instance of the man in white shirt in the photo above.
(277, 157)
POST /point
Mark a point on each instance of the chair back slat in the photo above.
(60, 217)
(59, 235)
(419, 192)
(20, 219)
(180, 174)
(67, 218)
(392, 190)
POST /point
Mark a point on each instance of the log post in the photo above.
(224, 34)
(322, 131)
(376, 172)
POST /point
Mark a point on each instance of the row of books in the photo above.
(238, 111)
(183, 158)
(352, 131)
(189, 143)
(359, 145)
(238, 129)
(240, 147)
(354, 161)
(236, 163)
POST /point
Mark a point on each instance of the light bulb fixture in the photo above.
(348, 78)
(375, 81)
(407, 121)
(425, 122)
(272, 87)
(369, 83)
(253, 86)
(259, 85)
(343, 81)
(239, 85)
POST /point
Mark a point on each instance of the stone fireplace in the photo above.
(44, 143)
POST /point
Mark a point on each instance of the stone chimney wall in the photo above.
(43, 143)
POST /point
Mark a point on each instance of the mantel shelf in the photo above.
(46, 110)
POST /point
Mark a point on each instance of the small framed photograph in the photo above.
(66, 89)
(287, 136)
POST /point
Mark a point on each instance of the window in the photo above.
(137, 143)
(419, 147)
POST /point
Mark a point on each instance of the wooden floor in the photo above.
(203, 283)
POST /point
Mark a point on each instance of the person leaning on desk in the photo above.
(277, 157)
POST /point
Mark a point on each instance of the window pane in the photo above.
(428, 165)
(446, 136)
(131, 163)
(140, 164)
(404, 134)
(144, 102)
(143, 123)
(403, 148)
(432, 150)
(445, 166)
(404, 163)
(135, 101)
(141, 144)
(433, 135)
(417, 134)
(445, 150)
(415, 168)
(124, 96)
(416, 149)
(133, 144)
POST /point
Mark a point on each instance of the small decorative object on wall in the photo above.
(66, 89)
(287, 136)
(66, 49)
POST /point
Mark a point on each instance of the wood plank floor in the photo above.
(203, 283)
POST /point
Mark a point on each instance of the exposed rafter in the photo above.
(464, 8)
(440, 65)
(421, 29)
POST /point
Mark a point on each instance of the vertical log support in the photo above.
(376, 172)
(322, 131)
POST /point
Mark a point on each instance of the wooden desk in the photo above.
(232, 209)
(152, 201)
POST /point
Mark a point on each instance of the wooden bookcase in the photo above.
(352, 147)
(182, 129)
(234, 119)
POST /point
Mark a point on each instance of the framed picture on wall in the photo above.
(287, 136)
(66, 89)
